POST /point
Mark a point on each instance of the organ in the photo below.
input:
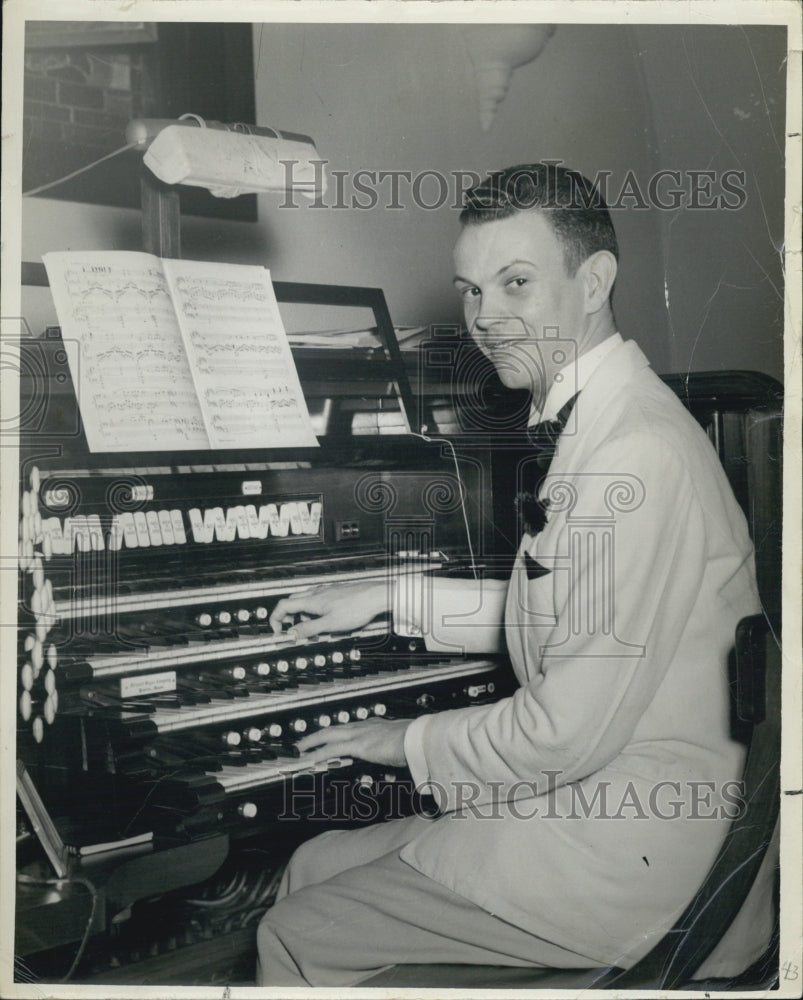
(157, 710)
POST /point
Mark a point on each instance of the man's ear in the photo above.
(599, 274)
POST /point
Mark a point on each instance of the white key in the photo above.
(38, 573)
(141, 528)
(178, 527)
(166, 527)
(25, 705)
(154, 531)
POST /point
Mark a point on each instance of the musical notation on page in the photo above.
(176, 354)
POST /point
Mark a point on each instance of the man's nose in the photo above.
(487, 318)
(488, 324)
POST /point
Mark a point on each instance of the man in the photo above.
(579, 815)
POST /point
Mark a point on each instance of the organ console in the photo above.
(157, 711)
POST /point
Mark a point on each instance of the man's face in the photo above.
(521, 307)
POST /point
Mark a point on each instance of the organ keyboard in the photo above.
(155, 704)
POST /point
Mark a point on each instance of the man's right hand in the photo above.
(335, 608)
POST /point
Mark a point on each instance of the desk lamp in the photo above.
(226, 159)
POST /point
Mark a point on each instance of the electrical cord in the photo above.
(32, 880)
(80, 170)
(229, 893)
(462, 489)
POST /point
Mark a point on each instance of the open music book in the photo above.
(176, 354)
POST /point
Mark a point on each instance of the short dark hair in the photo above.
(571, 204)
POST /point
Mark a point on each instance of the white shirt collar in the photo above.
(572, 378)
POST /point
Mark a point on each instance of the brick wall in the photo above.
(86, 97)
(79, 98)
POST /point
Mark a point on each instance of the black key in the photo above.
(284, 749)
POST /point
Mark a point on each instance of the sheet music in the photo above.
(239, 355)
(176, 354)
(125, 352)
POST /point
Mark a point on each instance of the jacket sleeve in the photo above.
(451, 615)
(619, 615)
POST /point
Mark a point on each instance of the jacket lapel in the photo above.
(596, 408)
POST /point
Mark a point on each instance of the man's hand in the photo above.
(378, 740)
(338, 607)
(341, 608)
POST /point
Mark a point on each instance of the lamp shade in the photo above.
(495, 51)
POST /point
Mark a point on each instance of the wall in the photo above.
(80, 96)
(401, 97)
(717, 102)
(376, 106)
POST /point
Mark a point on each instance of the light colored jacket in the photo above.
(587, 807)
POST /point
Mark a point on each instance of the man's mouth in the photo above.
(504, 345)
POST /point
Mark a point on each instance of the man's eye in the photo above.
(470, 292)
(517, 282)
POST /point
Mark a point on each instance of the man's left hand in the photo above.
(378, 740)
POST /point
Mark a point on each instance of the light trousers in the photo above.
(348, 907)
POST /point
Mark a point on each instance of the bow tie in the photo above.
(544, 438)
